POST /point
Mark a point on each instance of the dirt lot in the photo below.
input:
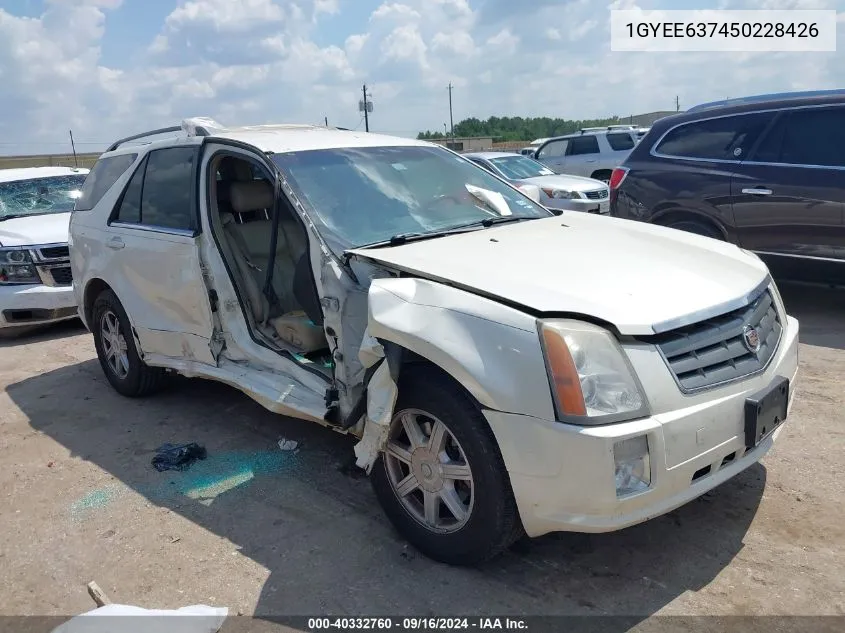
(269, 532)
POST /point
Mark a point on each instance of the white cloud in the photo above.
(504, 42)
(396, 11)
(225, 15)
(259, 61)
(459, 43)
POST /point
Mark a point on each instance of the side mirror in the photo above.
(554, 211)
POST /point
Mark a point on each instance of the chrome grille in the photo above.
(598, 194)
(714, 351)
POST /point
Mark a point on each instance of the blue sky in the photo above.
(108, 68)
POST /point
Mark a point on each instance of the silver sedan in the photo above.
(557, 191)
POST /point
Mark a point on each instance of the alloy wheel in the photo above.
(114, 344)
(428, 471)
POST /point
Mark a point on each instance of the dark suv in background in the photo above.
(766, 173)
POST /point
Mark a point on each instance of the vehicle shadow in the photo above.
(315, 525)
(820, 311)
(24, 335)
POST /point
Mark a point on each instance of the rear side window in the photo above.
(725, 138)
(166, 200)
(130, 205)
(583, 145)
(100, 179)
(553, 149)
(620, 142)
(160, 192)
(806, 137)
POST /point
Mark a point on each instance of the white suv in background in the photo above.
(506, 369)
(35, 280)
(592, 152)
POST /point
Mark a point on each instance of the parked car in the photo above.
(765, 174)
(557, 191)
(592, 152)
(506, 372)
(35, 281)
(531, 148)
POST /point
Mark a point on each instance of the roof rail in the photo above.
(592, 129)
(773, 96)
(622, 126)
(135, 137)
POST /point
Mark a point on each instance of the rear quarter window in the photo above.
(620, 142)
(100, 179)
(724, 138)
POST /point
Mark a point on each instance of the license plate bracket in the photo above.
(765, 411)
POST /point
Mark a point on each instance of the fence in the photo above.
(48, 160)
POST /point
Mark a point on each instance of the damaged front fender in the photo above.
(492, 350)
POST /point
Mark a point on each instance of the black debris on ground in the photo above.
(177, 456)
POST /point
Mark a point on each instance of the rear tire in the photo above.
(116, 350)
(464, 514)
(698, 228)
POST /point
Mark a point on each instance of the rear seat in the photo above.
(252, 203)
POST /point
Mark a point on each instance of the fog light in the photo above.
(633, 467)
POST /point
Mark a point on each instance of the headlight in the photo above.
(562, 194)
(16, 267)
(590, 376)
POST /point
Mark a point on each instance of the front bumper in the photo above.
(563, 475)
(35, 304)
(580, 204)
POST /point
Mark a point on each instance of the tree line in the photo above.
(504, 129)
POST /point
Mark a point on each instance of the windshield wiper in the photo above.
(405, 238)
(12, 216)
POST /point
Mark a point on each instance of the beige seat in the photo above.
(250, 239)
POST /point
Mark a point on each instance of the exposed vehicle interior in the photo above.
(281, 308)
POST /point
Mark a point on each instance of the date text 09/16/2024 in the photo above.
(416, 624)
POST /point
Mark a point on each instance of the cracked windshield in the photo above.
(38, 196)
(367, 195)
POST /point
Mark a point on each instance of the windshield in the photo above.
(37, 196)
(364, 196)
(518, 167)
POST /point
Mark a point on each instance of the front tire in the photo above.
(116, 350)
(441, 479)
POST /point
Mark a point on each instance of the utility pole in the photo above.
(451, 120)
(367, 107)
(677, 104)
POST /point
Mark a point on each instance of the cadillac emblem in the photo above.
(751, 339)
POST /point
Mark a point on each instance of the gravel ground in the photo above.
(268, 532)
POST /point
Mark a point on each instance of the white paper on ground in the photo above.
(123, 618)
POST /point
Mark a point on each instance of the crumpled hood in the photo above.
(637, 276)
(50, 228)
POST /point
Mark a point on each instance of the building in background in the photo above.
(466, 143)
(49, 160)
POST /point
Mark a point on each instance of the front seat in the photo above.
(253, 202)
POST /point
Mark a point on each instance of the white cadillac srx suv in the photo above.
(506, 369)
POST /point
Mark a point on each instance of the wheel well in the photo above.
(92, 291)
(665, 218)
(412, 359)
(601, 172)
